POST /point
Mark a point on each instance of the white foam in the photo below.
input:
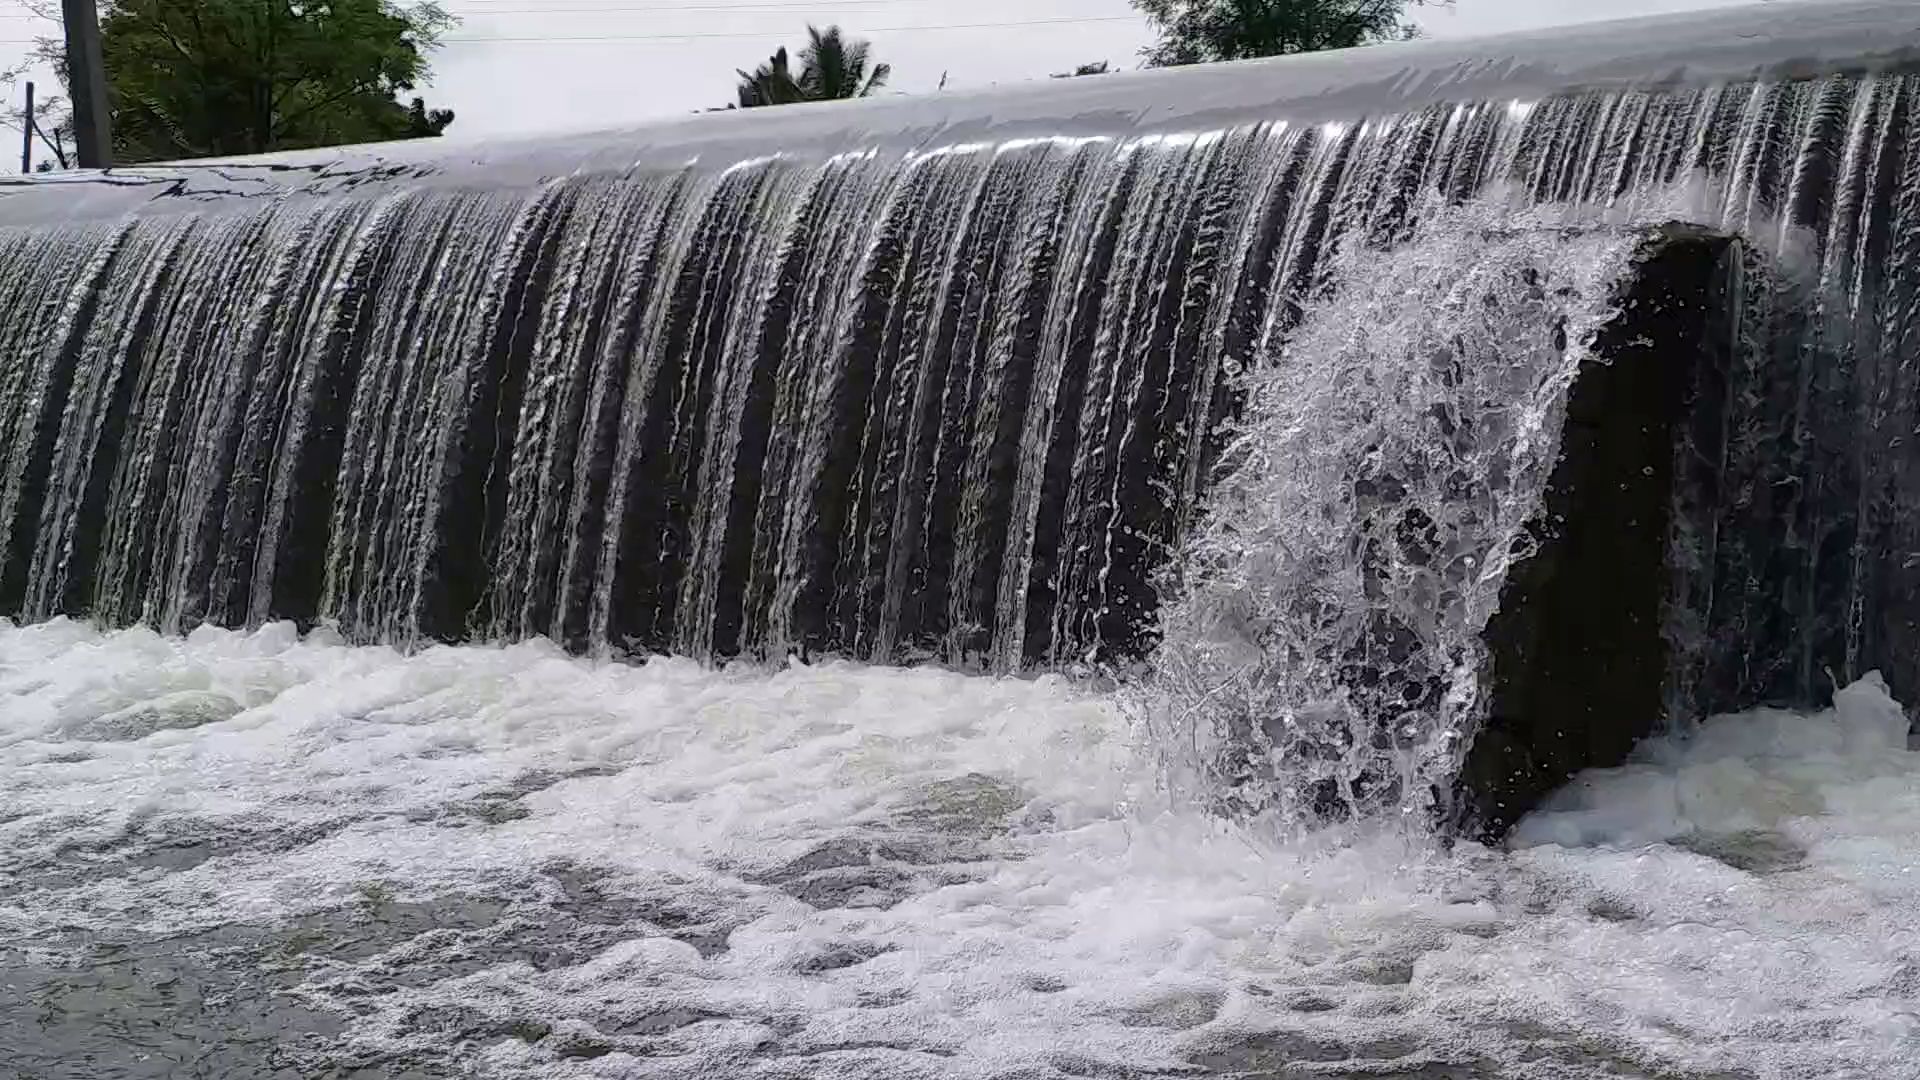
(1050, 914)
(1769, 769)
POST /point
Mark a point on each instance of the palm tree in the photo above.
(832, 68)
(772, 83)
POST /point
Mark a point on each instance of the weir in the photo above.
(955, 378)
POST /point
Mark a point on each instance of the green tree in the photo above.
(1098, 67)
(203, 78)
(832, 68)
(1202, 31)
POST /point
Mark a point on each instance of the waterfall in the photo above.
(959, 390)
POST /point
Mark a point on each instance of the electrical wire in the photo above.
(488, 7)
(763, 33)
(582, 39)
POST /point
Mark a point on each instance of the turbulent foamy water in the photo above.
(952, 379)
(1376, 487)
(510, 862)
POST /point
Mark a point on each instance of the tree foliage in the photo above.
(1098, 67)
(832, 68)
(203, 78)
(1202, 31)
(772, 83)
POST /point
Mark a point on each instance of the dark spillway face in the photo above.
(1712, 535)
(1580, 650)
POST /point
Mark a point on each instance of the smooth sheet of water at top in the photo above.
(249, 854)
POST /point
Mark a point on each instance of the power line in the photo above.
(486, 7)
(609, 7)
(813, 7)
(588, 40)
(763, 33)
(759, 9)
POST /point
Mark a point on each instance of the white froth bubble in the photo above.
(976, 874)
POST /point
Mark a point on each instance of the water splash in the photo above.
(1324, 653)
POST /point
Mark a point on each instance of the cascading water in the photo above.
(1317, 383)
(954, 402)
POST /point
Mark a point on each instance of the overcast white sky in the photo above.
(528, 66)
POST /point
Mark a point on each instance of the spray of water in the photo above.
(1322, 656)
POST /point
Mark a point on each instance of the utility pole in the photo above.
(87, 85)
(26, 136)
